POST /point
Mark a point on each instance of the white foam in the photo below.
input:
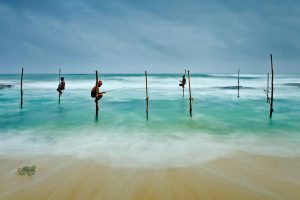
(167, 87)
(143, 150)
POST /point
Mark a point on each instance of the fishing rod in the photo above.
(109, 91)
(176, 79)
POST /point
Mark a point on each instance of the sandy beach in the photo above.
(241, 176)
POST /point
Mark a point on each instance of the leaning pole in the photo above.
(272, 88)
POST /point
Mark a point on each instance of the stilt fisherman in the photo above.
(61, 86)
(182, 81)
(95, 93)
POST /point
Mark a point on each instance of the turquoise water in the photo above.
(221, 124)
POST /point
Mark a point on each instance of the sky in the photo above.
(160, 36)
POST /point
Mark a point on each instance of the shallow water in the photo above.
(221, 122)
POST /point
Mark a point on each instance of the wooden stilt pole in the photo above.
(22, 88)
(58, 84)
(147, 97)
(191, 109)
(272, 88)
(238, 83)
(97, 90)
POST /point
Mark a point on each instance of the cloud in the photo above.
(167, 36)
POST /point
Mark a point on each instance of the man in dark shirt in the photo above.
(61, 86)
(183, 81)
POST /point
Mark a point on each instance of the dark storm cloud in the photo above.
(163, 36)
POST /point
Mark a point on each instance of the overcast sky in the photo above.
(162, 36)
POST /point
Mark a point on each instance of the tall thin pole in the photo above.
(58, 84)
(190, 93)
(147, 97)
(97, 90)
(272, 88)
(268, 88)
(22, 88)
(238, 83)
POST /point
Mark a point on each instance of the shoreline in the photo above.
(240, 176)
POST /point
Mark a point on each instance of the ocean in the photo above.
(221, 125)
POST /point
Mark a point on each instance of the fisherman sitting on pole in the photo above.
(95, 92)
(61, 86)
(183, 81)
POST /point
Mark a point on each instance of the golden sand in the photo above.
(242, 176)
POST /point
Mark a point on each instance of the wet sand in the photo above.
(241, 176)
